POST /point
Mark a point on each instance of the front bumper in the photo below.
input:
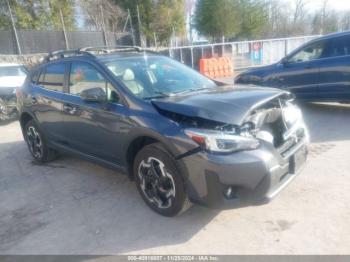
(254, 177)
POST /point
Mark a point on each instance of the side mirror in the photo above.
(114, 97)
(96, 94)
(284, 61)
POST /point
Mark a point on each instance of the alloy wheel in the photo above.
(35, 142)
(156, 183)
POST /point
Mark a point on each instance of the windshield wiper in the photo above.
(192, 90)
(159, 94)
(162, 94)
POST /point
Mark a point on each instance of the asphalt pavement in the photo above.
(71, 206)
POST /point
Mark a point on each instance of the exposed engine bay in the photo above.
(278, 122)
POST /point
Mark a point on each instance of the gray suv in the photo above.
(182, 137)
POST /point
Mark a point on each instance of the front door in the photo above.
(93, 128)
(299, 73)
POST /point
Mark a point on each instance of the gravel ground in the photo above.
(74, 207)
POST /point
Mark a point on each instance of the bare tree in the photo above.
(299, 10)
(345, 21)
(300, 17)
(103, 14)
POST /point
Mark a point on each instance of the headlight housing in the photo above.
(220, 141)
(292, 114)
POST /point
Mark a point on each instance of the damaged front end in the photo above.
(278, 122)
(250, 146)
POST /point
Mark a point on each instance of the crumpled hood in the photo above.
(227, 104)
(12, 81)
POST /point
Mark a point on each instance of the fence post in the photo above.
(132, 28)
(14, 29)
(232, 55)
(286, 47)
(103, 27)
(64, 30)
(192, 62)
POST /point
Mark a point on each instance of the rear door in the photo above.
(300, 72)
(335, 70)
(46, 99)
(93, 128)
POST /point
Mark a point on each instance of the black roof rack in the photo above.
(92, 51)
(111, 49)
(66, 53)
(117, 48)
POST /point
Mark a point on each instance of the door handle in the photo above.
(309, 67)
(70, 109)
(34, 100)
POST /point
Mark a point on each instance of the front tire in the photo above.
(37, 144)
(159, 181)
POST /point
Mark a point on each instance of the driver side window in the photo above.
(309, 53)
(83, 76)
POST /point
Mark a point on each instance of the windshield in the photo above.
(150, 77)
(12, 71)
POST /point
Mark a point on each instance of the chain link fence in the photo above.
(244, 54)
(33, 41)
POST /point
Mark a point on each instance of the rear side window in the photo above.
(339, 47)
(52, 77)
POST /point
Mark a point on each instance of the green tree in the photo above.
(156, 17)
(253, 17)
(217, 18)
(168, 19)
(38, 14)
(231, 18)
(5, 22)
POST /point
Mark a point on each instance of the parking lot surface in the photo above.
(71, 206)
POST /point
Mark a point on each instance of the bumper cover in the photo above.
(255, 177)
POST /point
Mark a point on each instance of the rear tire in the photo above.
(37, 143)
(159, 182)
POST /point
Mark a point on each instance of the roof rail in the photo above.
(111, 49)
(117, 48)
(89, 51)
(66, 53)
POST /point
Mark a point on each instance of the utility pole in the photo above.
(126, 23)
(64, 30)
(14, 28)
(155, 39)
(139, 24)
(103, 26)
(132, 28)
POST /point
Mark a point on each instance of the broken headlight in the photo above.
(220, 141)
(291, 114)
